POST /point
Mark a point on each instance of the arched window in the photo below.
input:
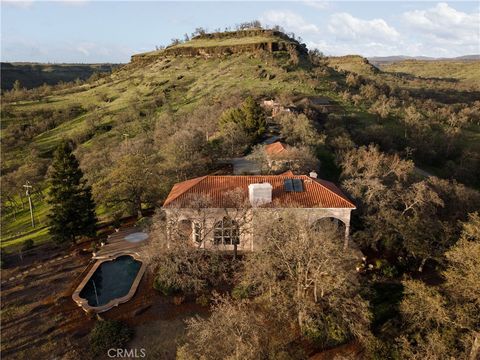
(184, 228)
(226, 232)
(197, 232)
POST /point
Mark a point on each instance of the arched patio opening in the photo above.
(185, 228)
(332, 224)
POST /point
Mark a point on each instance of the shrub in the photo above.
(326, 331)
(164, 288)
(389, 271)
(144, 223)
(117, 220)
(203, 300)
(27, 245)
(107, 334)
(241, 292)
(94, 246)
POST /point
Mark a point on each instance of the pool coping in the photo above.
(83, 303)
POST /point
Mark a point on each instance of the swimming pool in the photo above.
(109, 283)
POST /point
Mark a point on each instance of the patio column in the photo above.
(347, 235)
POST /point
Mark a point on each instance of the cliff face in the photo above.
(228, 43)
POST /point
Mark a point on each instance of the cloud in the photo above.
(66, 51)
(336, 48)
(446, 26)
(347, 27)
(25, 4)
(290, 21)
(317, 4)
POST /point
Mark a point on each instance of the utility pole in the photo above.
(27, 186)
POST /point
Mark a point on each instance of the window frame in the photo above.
(197, 232)
(226, 232)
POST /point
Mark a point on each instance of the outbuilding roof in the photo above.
(275, 148)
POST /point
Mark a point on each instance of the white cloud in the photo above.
(69, 51)
(290, 21)
(25, 4)
(347, 27)
(335, 48)
(317, 4)
(439, 31)
(446, 26)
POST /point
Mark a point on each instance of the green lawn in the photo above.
(17, 229)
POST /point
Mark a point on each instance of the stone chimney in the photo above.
(313, 175)
(260, 194)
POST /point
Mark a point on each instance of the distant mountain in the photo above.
(32, 75)
(381, 60)
(468, 57)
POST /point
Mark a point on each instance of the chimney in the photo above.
(313, 175)
(260, 194)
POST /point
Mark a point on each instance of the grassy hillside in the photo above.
(464, 71)
(33, 75)
(167, 84)
(352, 63)
(145, 102)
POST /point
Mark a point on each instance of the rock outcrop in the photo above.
(272, 41)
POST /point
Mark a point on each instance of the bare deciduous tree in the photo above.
(304, 273)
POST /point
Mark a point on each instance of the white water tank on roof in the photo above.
(260, 194)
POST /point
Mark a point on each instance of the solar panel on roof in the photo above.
(288, 185)
(297, 185)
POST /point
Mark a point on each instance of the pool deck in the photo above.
(117, 245)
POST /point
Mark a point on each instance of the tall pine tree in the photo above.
(255, 122)
(72, 206)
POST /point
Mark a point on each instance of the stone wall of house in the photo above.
(208, 218)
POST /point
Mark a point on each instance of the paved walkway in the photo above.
(422, 172)
(117, 245)
(244, 166)
(38, 267)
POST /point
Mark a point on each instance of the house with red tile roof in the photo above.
(204, 205)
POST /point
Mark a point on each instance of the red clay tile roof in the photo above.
(317, 193)
(275, 148)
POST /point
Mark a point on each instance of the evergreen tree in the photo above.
(249, 116)
(72, 206)
(255, 122)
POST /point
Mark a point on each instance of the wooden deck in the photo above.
(117, 245)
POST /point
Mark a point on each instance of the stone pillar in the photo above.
(347, 235)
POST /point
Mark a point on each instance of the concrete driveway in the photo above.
(242, 166)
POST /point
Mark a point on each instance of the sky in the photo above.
(82, 31)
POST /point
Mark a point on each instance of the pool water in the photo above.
(112, 280)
